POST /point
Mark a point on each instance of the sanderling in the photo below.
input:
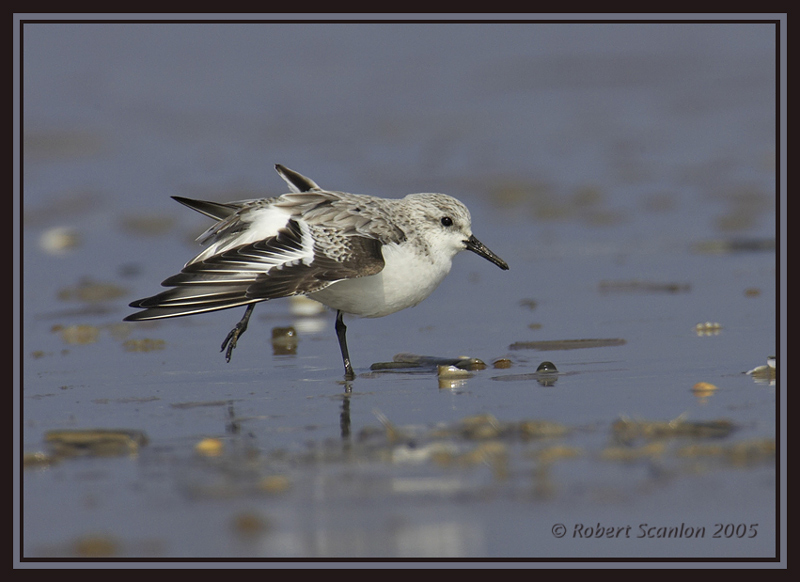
(357, 254)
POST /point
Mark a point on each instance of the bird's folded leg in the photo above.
(236, 332)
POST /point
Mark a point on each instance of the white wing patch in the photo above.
(253, 225)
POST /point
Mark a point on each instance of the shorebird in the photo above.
(359, 255)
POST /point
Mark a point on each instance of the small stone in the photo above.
(209, 447)
(501, 363)
(547, 366)
(703, 388)
(452, 372)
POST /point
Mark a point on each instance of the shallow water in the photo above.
(625, 172)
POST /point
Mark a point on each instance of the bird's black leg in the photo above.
(341, 330)
(236, 332)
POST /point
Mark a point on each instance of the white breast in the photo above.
(406, 279)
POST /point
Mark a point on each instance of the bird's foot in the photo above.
(231, 339)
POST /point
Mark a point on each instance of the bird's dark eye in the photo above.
(447, 221)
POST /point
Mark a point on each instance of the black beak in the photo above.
(480, 249)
